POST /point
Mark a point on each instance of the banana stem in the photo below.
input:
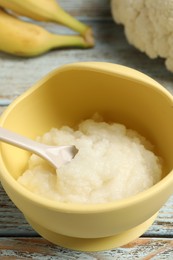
(69, 41)
(66, 19)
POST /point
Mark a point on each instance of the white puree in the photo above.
(112, 163)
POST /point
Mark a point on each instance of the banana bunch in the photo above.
(26, 39)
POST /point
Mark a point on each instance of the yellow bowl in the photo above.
(67, 95)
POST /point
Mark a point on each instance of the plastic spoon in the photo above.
(55, 155)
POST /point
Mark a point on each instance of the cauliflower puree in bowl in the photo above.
(110, 193)
(112, 163)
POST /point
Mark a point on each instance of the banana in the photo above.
(47, 10)
(26, 39)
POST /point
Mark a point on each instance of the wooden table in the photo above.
(17, 239)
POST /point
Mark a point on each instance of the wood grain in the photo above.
(17, 239)
(39, 248)
(18, 74)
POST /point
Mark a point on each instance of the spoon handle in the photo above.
(18, 140)
(55, 155)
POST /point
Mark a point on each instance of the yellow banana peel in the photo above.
(26, 39)
(47, 10)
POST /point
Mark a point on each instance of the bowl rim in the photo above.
(103, 67)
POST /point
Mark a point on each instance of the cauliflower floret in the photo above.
(148, 26)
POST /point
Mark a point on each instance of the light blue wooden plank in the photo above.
(18, 74)
(38, 248)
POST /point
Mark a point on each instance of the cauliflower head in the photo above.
(148, 26)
